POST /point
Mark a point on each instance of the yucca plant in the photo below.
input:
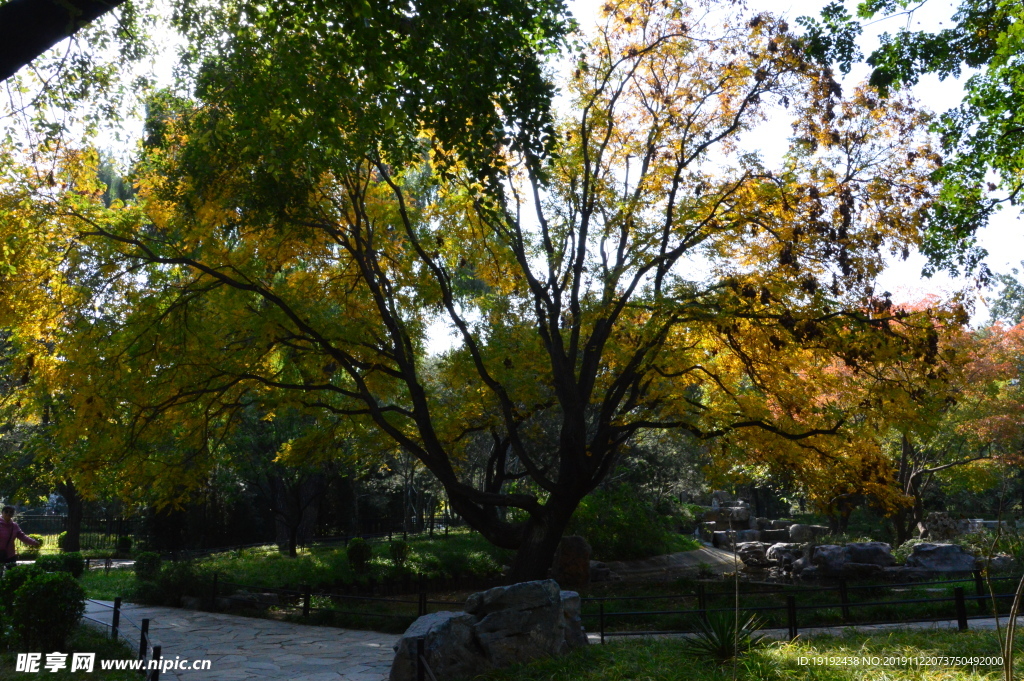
(723, 637)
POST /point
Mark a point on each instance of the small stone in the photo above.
(571, 566)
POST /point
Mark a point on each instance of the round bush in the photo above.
(61, 540)
(47, 608)
(399, 551)
(359, 554)
(30, 552)
(12, 580)
(174, 580)
(124, 545)
(72, 562)
(147, 565)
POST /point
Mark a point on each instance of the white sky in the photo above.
(1001, 238)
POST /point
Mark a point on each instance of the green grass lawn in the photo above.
(665, 660)
(104, 585)
(85, 640)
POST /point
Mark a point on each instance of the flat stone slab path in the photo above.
(251, 648)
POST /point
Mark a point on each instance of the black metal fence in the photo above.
(790, 601)
(149, 654)
(98, 533)
(395, 610)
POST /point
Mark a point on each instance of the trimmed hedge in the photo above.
(47, 609)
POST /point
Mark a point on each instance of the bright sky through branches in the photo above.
(1002, 238)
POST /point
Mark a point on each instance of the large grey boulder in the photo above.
(449, 646)
(748, 536)
(806, 533)
(773, 536)
(500, 626)
(752, 553)
(784, 552)
(871, 552)
(830, 558)
(941, 558)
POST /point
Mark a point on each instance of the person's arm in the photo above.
(25, 539)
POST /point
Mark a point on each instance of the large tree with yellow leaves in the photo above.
(633, 267)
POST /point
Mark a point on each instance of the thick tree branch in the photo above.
(30, 27)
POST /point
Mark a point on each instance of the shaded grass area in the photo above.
(103, 585)
(84, 640)
(665, 660)
(461, 554)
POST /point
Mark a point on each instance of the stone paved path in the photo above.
(250, 648)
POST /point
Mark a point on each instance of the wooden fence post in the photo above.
(791, 616)
(961, 608)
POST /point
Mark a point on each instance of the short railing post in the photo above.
(307, 596)
(155, 676)
(600, 618)
(144, 638)
(979, 589)
(87, 564)
(791, 616)
(961, 608)
(116, 621)
(844, 599)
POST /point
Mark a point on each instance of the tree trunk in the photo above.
(73, 538)
(543, 532)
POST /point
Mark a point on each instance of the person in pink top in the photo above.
(8, 531)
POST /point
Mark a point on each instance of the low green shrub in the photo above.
(124, 545)
(47, 609)
(72, 563)
(62, 539)
(175, 580)
(359, 553)
(400, 552)
(29, 552)
(12, 580)
(147, 565)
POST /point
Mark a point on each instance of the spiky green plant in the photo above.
(723, 637)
